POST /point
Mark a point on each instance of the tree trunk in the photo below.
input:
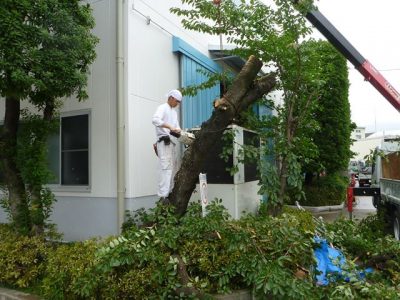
(277, 208)
(16, 189)
(36, 211)
(245, 90)
(37, 208)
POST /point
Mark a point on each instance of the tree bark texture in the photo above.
(245, 90)
(16, 189)
(184, 280)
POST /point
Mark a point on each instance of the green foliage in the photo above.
(32, 148)
(272, 33)
(367, 243)
(212, 249)
(212, 80)
(270, 184)
(360, 239)
(305, 218)
(48, 46)
(132, 284)
(23, 217)
(333, 115)
(65, 268)
(313, 84)
(21, 258)
(31, 159)
(33, 164)
(325, 190)
(273, 257)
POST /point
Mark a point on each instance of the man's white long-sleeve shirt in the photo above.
(165, 114)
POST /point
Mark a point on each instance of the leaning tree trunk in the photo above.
(16, 189)
(245, 90)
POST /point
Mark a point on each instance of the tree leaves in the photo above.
(46, 48)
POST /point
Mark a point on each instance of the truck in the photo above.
(385, 187)
(386, 182)
(361, 171)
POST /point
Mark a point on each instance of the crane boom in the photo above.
(369, 72)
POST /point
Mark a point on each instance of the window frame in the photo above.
(59, 187)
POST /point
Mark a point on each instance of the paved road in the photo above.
(362, 209)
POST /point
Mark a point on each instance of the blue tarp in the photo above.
(330, 263)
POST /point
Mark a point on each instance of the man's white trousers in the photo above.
(167, 162)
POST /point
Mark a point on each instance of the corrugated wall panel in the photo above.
(196, 109)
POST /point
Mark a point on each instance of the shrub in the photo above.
(327, 190)
(22, 258)
(303, 217)
(370, 246)
(215, 254)
(66, 266)
(135, 283)
(219, 254)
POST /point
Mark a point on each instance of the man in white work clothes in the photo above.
(165, 119)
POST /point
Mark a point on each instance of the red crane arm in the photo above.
(380, 83)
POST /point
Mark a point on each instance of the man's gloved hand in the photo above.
(175, 134)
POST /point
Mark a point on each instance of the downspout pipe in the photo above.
(120, 117)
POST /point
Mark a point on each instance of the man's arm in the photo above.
(158, 121)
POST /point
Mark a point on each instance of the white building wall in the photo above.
(152, 70)
(358, 133)
(238, 199)
(101, 106)
(364, 147)
(82, 212)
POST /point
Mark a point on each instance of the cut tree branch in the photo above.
(184, 280)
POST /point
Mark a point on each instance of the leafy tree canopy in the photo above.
(334, 117)
(45, 48)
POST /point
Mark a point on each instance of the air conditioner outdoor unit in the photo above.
(238, 192)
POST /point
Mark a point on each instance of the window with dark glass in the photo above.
(75, 150)
(68, 151)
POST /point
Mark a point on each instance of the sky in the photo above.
(372, 27)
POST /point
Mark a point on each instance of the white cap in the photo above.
(176, 94)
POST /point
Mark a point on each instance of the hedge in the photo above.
(196, 257)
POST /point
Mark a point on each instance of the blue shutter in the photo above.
(196, 109)
(194, 69)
